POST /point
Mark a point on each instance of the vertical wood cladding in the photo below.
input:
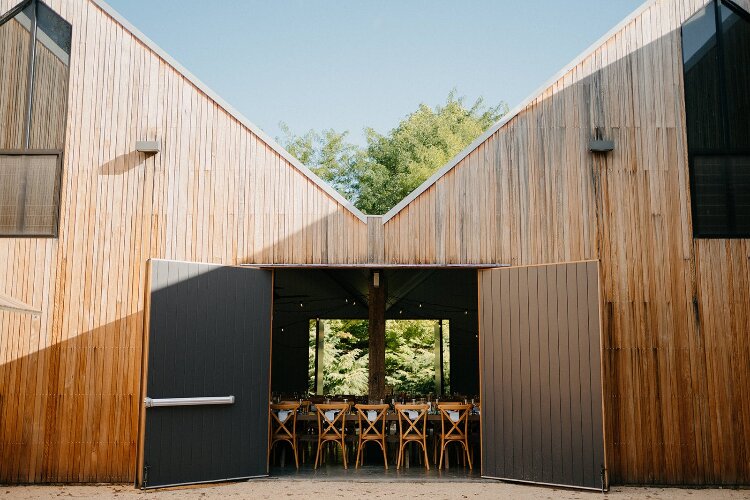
(676, 309)
(69, 379)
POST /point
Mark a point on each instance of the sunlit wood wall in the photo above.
(677, 310)
(69, 379)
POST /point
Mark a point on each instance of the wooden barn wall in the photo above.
(677, 310)
(69, 378)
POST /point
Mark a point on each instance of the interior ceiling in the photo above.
(343, 293)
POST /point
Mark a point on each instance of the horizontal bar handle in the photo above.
(220, 400)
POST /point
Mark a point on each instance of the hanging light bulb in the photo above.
(401, 311)
(300, 304)
(354, 302)
(466, 312)
(282, 329)
(346, 300)
(420, 305)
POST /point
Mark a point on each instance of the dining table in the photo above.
(391, 416)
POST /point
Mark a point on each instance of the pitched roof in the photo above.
(327, 188)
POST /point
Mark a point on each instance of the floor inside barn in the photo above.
(376, 473)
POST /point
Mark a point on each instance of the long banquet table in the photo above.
(390, 417)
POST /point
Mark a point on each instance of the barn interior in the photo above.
(302, 296)
(444, 301)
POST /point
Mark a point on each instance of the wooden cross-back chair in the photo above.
(412, 430)
(457, 430)
(332, 430)
(284, 430)
(371, 431)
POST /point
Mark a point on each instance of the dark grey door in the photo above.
(541, 375)
(207, 377)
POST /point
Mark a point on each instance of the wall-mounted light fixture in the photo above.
(601, 146)
(376, 279)
(148, 147)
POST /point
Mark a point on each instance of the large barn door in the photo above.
(207, 374)
(541, 375)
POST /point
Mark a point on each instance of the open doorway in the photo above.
(320, 346)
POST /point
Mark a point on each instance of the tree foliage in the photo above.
(409, 361)
(375, 178)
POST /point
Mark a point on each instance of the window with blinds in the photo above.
(35, 45)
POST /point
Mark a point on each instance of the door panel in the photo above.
(209, 337)
(540, 352)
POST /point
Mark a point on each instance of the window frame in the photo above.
(28, 110)
(725, 150)
(59, 173)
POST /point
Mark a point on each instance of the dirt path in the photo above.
(359, 490)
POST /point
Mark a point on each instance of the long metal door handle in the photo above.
(220, 400)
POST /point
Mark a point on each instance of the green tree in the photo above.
(377, 177)
(330, 156)
(397, 163)
(409, 358)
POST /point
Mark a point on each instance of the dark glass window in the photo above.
(15, 41)
(716, 62)
(35, 45)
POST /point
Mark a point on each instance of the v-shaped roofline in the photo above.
(514, 112)
(327, 188)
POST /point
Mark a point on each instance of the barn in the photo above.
(594, 243)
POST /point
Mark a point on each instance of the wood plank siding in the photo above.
(676, 309)
(217, 193)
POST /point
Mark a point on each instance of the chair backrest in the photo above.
(369, 427)
(286, 427)
(332, 427)
(408, 427)
(454, 417)
(304, 406)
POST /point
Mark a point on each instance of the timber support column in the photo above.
(376, 330)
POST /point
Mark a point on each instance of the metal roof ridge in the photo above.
(515, 111)
(117, 17)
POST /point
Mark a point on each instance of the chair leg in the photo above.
(317, 453)
(385, 456)
(400, 455)
(343, 452)
(468, 455)
(426, 459)
(296, 455)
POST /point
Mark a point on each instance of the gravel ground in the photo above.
(275, 489)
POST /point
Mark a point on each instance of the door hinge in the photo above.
(146, 467)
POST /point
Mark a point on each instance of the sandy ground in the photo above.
(311, 489)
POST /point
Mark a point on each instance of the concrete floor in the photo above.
(375, 473)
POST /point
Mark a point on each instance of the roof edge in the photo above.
(117, 17)
(515, 111)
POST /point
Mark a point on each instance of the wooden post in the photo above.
(438, 357)
(319, 348)
(376, 330)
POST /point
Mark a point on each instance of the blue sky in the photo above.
(346, 65)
